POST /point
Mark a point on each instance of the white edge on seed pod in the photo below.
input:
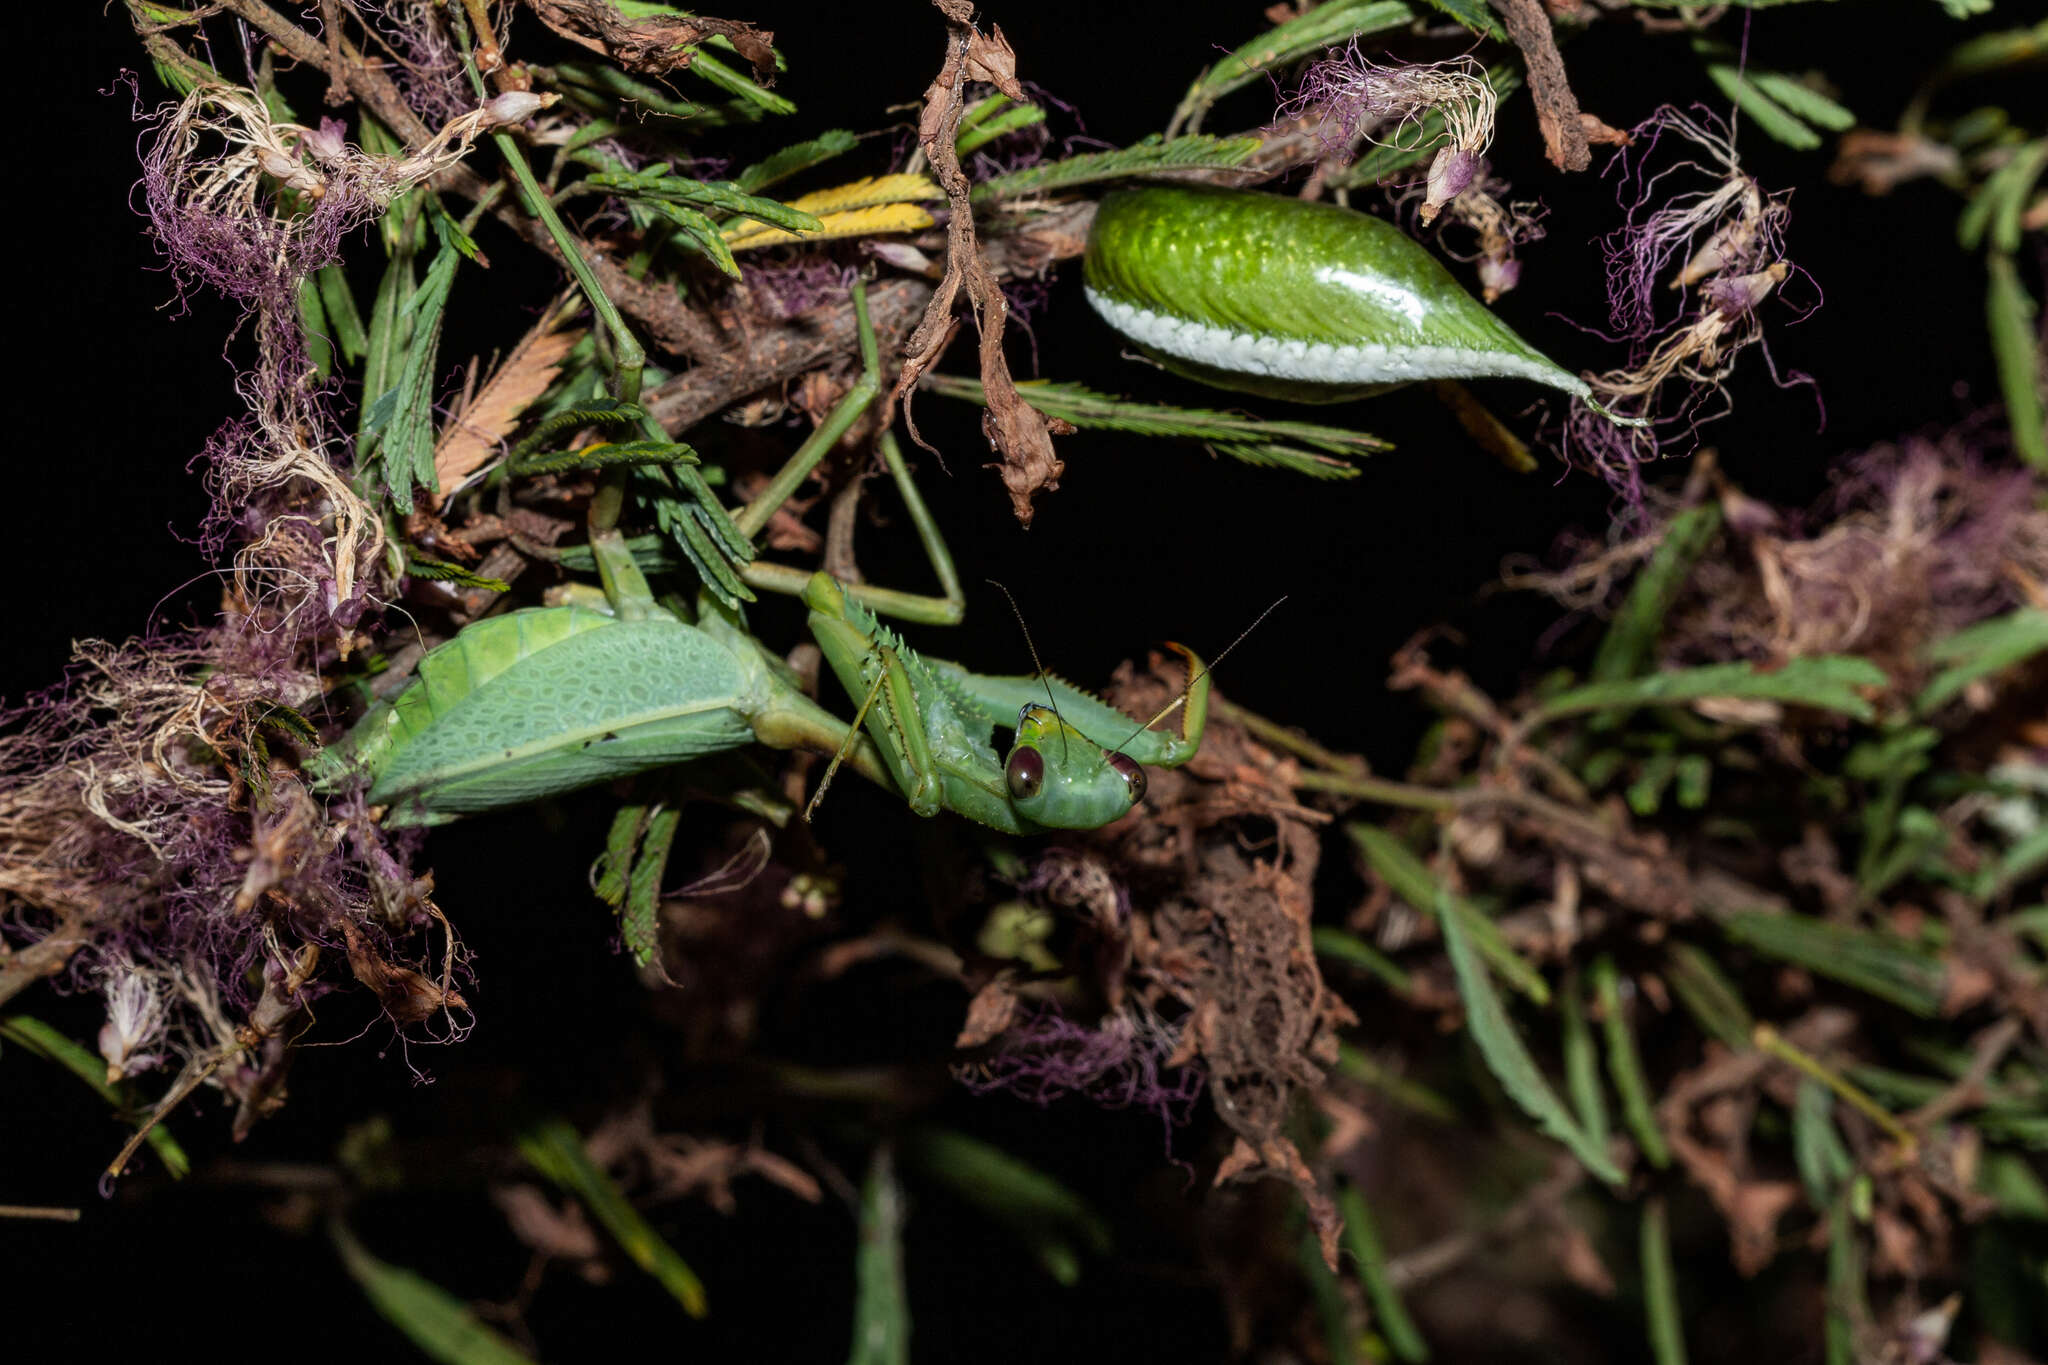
(1318, 362)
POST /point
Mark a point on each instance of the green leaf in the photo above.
(993, 124)
(595, 412)
(698, 233)
(38, 1039)
(797, 157)
(1878, 964)
(1581, 1060)
(1407, 877)
(1358, 1065)
(552, 1147)
(422, 566)
(1770, 116)
(1660, 1287)
(1804, 101)
(1474, 15)
(737, 84)
(1625, 1065)
(1707, 994)
(1817, 1147)
(1354, 951)
(1508, 1059)
(659, 184)
(881, 1306)
(1827, 682)
(606, 455)
(2009, 313)
(1996, 208)
(1305, 447)
(1303, 36)
(339, 303)
(1847, 1305)
(1362, 1240)
(2011, 1182)
(1054, 1222)
(399, 425)
(435, 1320)
(1981, 650)
(313, 326)
(1631, 640)
(1152, 156)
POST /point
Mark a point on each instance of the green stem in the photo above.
(628, 357)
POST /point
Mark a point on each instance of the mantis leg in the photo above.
(944, 610)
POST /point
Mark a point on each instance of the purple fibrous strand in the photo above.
(1119, 1064)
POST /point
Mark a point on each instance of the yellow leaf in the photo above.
(855, 223)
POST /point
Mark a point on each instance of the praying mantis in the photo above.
(548, 699)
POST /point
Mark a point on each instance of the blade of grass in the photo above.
(1408, 878)
(431, 1318)
(1625, 1065)
(34, 1036)
(1660, 1286)
(553, 1148)
(881, 1307)
(1362, 1240)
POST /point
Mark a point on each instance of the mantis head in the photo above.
(1061, 779)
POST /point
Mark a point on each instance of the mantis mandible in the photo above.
(548, 699)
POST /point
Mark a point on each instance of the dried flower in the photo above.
(1359, 98)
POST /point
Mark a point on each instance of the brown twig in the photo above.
(1557, 109)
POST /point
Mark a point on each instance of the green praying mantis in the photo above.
(545, 700)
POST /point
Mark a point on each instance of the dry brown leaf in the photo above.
(471, 436)
(653, 45)
(990, 1012)
(1018, 432)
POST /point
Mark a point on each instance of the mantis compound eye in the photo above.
(1133, 774)
(1025, 773)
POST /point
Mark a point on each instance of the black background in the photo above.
(117, 388)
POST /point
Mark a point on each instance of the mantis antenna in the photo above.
(1035, 663)
(1207, 669)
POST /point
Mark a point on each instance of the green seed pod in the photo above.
(1291, 299)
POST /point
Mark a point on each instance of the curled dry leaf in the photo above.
(472, 436)
(1018, 432)
(657, 44)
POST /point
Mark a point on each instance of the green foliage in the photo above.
(1625, 1065)
(794, 159)
(1362, 1240)
(1508, 1058)
(1407, 877)
(2010, 312)
(552, 1148)
(1825, 682)
(1630, 644)
(434, 1320)
(1660, 1287)
(605, 455)
(1783, 107)
(38, 1039)
(1327, 24)
(881, 1303)
(418, 565)
(398, 425)
(1151, 156)
(1057, 1225)
(1303, 447)
(1878, 964)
